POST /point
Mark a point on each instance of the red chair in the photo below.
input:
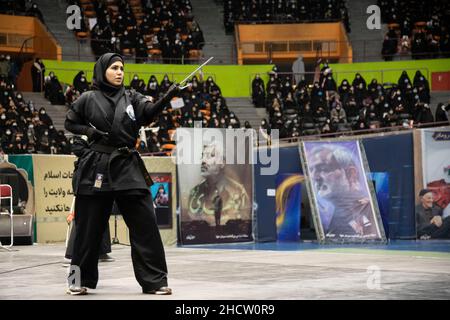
(7, 194)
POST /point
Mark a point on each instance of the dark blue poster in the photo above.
(381, 186)
(288, 206)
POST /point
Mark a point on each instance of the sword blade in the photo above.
(195, 71)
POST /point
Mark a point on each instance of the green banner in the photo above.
(234, 80)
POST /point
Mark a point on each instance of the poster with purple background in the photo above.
(341, 197)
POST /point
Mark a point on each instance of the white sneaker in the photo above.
(66, 262)
(76, 291)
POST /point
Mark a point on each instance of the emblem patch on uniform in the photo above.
(130, 112)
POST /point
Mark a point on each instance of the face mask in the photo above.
(8, 132)
(3, 117)
(42, 112)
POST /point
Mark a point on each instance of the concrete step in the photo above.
(55, 19)
(209, 15)
(239, 102)
(245, 111)
(366, 43)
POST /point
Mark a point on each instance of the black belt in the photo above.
(103, 148)
(121, 151)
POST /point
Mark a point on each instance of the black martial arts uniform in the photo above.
(109, 168)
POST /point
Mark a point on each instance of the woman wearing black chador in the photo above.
(110, 169)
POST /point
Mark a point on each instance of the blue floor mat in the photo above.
(404, 245)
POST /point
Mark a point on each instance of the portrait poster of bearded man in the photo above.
(344, 203)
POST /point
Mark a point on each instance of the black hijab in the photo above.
(112, 93)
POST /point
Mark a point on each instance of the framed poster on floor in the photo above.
(343, 201)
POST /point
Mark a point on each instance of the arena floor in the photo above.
(402, 270)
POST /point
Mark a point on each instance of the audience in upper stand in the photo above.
(21, 8)
(160, 30)
(284, 11)
(416, 28)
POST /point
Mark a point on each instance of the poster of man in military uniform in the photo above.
(216, 197)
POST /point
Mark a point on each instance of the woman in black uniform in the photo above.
(110, 169)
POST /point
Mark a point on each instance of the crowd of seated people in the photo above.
(21, 8)
(160, 30)
(419, 29)
(202, 99)
(284, 11)
(325, 107)
(24, 128)
(203, 102)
